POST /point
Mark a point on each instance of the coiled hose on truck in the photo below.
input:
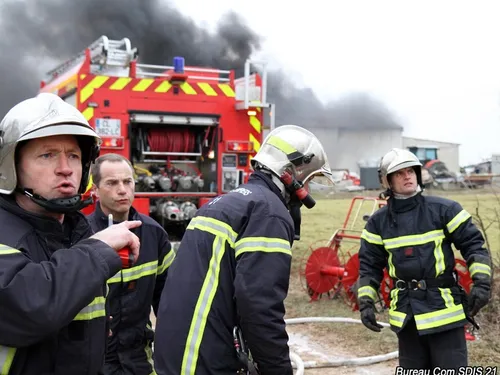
(300, 365)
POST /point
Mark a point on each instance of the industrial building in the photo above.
(351, 148)
(355, 148)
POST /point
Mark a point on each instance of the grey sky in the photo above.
(436, 64)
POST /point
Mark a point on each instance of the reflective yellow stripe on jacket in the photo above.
(134, 273)
(224, 234)
(396, 318)
(458, 220)
(6, 359)
(452, 312)
(436, 236)
(368, 291)
(476, 268)
(143, 270)
(439, 318)
(96, 309)
(167, 261)
(452, 226)
(6, 250)
(375, 239)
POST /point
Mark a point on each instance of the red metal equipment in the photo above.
(190, 132)
(332, 268)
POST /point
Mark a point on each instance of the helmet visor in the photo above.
(406, 164)
(60, 129)
(320, 180)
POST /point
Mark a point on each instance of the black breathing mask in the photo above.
(58, 205)
(294, 208)
(298, 193)
(294, 187)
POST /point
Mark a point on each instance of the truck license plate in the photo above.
(108, 127)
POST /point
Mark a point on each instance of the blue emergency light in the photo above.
(179, 64)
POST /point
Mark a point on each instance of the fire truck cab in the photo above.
(189, 132)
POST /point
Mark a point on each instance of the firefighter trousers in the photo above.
(446, 350)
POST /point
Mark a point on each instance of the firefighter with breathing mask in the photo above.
(413, 236)
(222, 309)
(53, 271)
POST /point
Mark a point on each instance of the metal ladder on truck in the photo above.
(104, 53)
(249, 96)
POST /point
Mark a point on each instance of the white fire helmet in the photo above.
(395, 160)
(42, 116)
(292, 151)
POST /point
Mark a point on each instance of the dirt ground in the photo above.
(322, 348)
(311, 347)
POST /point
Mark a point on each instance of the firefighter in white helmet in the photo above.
(412, 236)
(52, 275)
(232, 270)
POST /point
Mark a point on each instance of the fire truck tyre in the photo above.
(357, 361)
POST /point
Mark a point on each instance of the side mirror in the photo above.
(366, 217)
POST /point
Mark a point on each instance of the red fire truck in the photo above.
(189, 132)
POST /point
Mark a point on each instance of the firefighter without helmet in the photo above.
(42, 116)
(289, 143)
(398, 159)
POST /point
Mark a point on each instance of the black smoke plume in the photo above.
(37, 34)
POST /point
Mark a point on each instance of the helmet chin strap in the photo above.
(406, 196)
(57, 205)
(280, 186)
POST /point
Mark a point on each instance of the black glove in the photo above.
(478, 298)
(368, 317)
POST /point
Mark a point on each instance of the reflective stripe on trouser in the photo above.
(224, 234)
(6, 359)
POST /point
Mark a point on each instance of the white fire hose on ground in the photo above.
(300, 365)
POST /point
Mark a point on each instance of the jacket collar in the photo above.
(262, 179)
(403, 205)
(74, 223)
(102, 217)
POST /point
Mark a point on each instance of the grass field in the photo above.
(319, 224)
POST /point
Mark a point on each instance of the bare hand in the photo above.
(119, 236)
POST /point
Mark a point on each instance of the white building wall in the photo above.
(447, 152)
